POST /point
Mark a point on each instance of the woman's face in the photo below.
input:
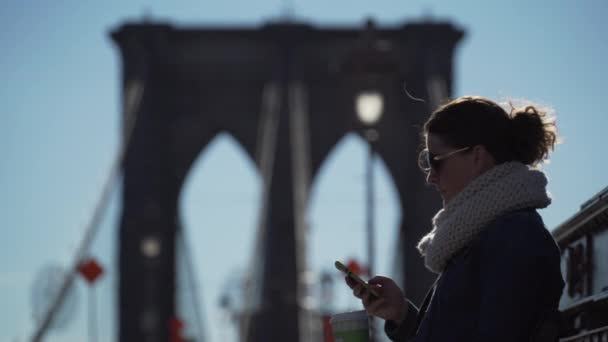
(452, 173)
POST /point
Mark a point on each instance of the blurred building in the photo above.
(583, 239)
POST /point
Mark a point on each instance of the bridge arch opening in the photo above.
(219, 209)
(337, 216)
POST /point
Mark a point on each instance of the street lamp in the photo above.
(369, 106)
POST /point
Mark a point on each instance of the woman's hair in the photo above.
(526, 134)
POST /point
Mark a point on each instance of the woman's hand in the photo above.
(390, 303)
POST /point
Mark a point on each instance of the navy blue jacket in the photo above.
(497, 289)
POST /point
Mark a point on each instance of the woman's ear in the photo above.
(482, 160)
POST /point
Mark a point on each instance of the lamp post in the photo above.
(369, 105)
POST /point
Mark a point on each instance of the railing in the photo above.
(596, 335)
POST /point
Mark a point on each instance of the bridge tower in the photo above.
(286, 92)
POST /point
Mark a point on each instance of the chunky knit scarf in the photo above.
(506, 187)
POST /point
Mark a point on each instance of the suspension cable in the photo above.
(133, 96)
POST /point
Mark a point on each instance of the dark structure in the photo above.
(583, 239)
(286, 92)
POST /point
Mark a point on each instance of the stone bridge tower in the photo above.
(286, 93)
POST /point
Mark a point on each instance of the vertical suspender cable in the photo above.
(300, 161)
(265, 155)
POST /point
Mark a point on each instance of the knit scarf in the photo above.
(506, 187)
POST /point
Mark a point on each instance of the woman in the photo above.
(499, 268)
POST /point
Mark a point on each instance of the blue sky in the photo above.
(59, 105)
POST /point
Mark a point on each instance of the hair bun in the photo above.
(534, 134)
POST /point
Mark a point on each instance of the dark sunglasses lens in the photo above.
(427, 161)
(434, 163)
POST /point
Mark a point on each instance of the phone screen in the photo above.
(340, 266)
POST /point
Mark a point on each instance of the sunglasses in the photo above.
(428, 161)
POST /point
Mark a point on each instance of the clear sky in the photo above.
(59, 105)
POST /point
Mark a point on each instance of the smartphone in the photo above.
(355, 277)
